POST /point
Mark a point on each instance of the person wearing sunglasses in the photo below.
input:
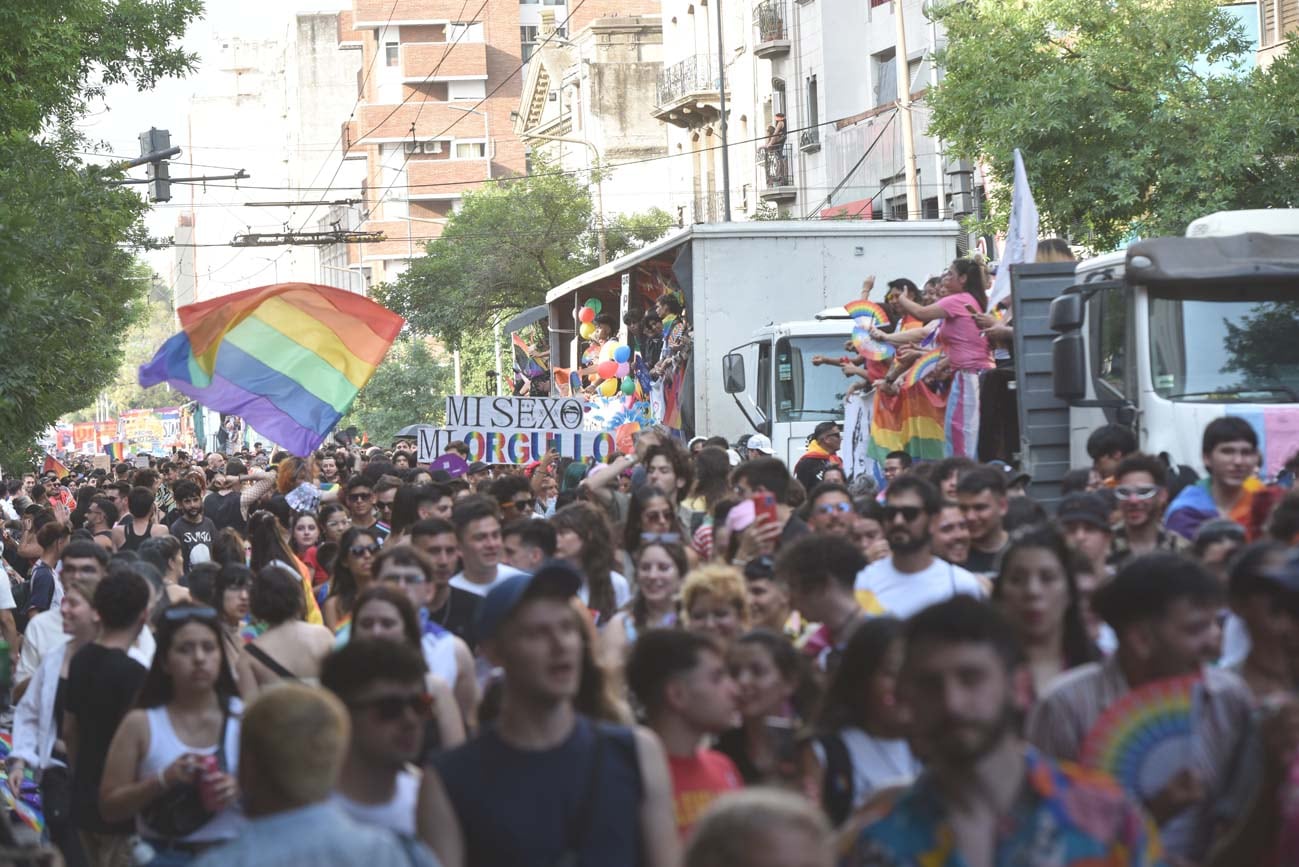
(1141, 488)
(353, 573)
(381, 683)
(183, 733)
(911, 578)
(829, 510)
(359, 496)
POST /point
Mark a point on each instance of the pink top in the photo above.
(961, 339)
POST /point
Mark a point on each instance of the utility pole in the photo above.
(155, 149)
(904, 111)
(721, 89)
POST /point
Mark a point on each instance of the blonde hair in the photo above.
(736, 822)
(296, 737)
(719, 580)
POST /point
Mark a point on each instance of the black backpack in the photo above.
(837, 783)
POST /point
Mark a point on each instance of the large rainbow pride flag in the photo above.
(288, 358)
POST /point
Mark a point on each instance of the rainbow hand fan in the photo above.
(1147, 736)
(868, 347)
(867, 313)
(925, 365)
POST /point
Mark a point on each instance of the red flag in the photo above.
(53, 465)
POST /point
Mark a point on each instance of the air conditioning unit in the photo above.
(432, 147)
(411, 147)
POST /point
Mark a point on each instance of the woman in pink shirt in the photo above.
(964, 288)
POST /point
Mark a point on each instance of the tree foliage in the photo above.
(67, 282)
(407, 388)
(1133, 115)
(504, 249)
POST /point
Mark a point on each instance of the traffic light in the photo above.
(155, 147)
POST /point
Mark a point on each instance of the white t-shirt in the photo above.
(395, 815)
(876, 763)
(502, 572)
(882, 589)
(621, 590)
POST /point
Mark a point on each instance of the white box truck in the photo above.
(753, 292)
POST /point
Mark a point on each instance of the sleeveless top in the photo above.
(518, 807)
(397, 814)
(165, 747)
(133, 542)
(439, 647)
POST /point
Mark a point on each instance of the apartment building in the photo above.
(584, 101)
(439, 80)
(1278, 22)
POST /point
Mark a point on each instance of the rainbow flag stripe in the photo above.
(289, 358)
(115, 451)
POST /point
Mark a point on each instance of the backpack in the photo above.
(837, 783)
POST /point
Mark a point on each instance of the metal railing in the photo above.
(809, 138)
(777, 166)
(770, 21)
(705, 208)
(692, 75)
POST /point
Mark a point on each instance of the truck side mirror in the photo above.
(733, 373)
(1066, 313)
(1068, 364)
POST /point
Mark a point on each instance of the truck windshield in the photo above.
(805, 392)
(1237, 347)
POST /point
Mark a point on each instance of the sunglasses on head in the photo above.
(829, 508)
(1136, 492)
(192, 612)
(390, 707)
(359, 550)
(908, 513)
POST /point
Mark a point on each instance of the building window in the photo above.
(471, 150)
(813, 115)
(885, 75)
(777, 97)
(391, 53)
(530, 37)
(474, 88)
(460, 31)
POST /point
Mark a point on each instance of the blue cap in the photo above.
(555, 579)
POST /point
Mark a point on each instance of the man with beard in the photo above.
(1164, 608)
(1141, 487)
(912, 577)
(192, 529)
(950, 533)
(987, 798)
(546, 784)
(830, 511)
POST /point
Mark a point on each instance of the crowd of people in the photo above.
(691, 654)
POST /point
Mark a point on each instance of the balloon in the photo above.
(609, 387)
(586, 314)
(586, 330)
(623, 368)
(622, 354)
(628, 385)
(607, 369)
(594, 304)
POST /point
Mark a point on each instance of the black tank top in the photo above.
(517, 807)
(133, 542)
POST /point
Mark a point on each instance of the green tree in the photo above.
(1133, 115)
(503, 250)
(67, 280)
(407, 388)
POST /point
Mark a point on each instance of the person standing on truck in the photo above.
(965, 294)
(1230, 452)
(822, 451)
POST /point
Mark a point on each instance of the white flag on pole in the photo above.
(1021, 237)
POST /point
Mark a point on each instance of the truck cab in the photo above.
(779, 390)
(1174, 332)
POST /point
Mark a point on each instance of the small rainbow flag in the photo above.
(115, 451)
(924, 366)
(54, 465)
(289, 357)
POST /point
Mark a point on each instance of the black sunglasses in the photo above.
(356, 498)
(358, 550)
(390, 707)
(908, 513)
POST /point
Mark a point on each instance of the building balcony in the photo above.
(348, 36)
(689, 93)
(432, 178)
(458, 61)
(777, 164)
(704, 208)
(369, 14)
(771, 29)
(809, 140)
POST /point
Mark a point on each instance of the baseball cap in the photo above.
(1084, 508)
(760, 443)
(555, 580)
(477, 467)
(1012, 475)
